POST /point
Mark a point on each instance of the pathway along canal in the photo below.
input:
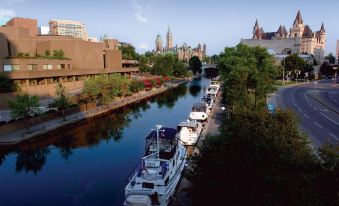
(88, 163)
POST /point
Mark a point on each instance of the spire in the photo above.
(322, 29)
(169, 31)
(298, 19)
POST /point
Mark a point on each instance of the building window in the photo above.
(47, 67)
(11, 67)
(61, 66)
(32, 82)
(32, 67)
(41, 81)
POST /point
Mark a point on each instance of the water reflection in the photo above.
(31, 159)
(31, 156)
(87, 163)
(168, 99)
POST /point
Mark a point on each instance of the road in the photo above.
(318, 119)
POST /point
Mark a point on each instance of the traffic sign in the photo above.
(271, 108)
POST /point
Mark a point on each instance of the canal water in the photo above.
(88, 163)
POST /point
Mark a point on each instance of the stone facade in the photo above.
(70, 28)
(301, 39)
(37, 73)
(184, 52)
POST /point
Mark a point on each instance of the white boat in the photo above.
(213, 88)
(208, 100)
(199, 112)
(189, 131)
(155, 178)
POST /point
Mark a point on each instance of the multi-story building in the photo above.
(337, 53)
(301, 39)
(32, 61)
(68, 28)
(184, 52)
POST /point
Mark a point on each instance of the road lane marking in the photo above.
(318, 125)
(315, 108)
(299, 110)
(329, 119)
(306, 98)
(336, 138)
(306, 116)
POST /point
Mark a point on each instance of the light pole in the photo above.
(283, 74)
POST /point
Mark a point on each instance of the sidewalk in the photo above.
(22, 135)
(181, 195)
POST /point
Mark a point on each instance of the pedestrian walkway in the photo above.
(212, 128)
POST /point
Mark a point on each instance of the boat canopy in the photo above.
(188, 124)
(199, 107)
(165, 133)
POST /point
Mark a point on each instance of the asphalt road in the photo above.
(319, 122)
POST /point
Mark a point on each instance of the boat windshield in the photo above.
(199, 109)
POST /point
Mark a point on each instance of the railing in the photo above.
(133, 172)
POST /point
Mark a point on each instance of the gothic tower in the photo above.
(322, 33)
(158, 44)
(298, 26)
(169, 38)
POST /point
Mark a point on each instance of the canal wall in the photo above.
(11, 135)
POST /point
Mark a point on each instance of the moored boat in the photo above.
(155, 178)
(199, 112)
(189, 131)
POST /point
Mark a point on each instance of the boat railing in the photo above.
(133, 172)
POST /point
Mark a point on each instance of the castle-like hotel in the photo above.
(300, 39)
(184, 52)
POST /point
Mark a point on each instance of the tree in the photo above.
(128, 52)
(164, 64)
(330, 58)
(263, 159)
(195, 65)
(248, 74)
(47, 53)
(293, 62)
(62, 101)
(327, 69)
(58, 53)
(23, 106)
(144, 64)
(180, 69)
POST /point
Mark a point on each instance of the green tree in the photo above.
(248, 73)
(62, 98)
(330, 58)
(262, 159)
(164, 64)
(180, 69)
(128, 52)
(23, 106)
(195, 65)
(144, 64)
(47, 53)
(106, 87)
(293, 62)
(58, 53)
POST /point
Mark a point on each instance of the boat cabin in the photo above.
(167, 143)
(199, 107)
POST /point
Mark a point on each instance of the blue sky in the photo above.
(218, 23)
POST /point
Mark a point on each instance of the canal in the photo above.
(88, 163)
